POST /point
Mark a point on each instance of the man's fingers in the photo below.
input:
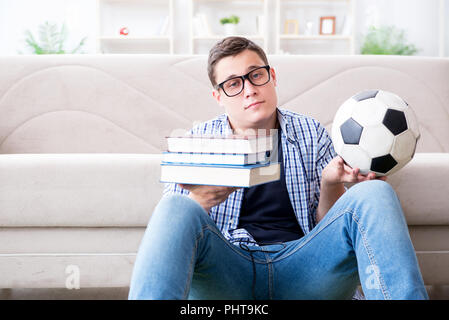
(340, 162)
(355, 173)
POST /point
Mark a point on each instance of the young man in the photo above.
(302, 237)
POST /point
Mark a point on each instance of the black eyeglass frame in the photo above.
(245, 76)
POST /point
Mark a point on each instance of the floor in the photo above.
(435, 293)
(65, 294)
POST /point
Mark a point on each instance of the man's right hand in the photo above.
(208, 196)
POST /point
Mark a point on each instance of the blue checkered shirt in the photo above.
(307, 149)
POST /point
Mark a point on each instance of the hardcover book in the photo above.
(215, 158)
(220, 175)
(220, 144)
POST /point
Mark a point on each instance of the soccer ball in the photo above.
(376, 131)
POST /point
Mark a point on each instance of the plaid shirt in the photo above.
(307, 149)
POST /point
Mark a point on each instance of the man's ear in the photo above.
(217, 96)
(273, 76)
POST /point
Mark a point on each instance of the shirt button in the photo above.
(231, 221)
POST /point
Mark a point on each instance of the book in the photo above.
(260, 24)
(198, 27)
(163, 26)
(204, 24)
(214, 175)
(220, 144)
(215, 158)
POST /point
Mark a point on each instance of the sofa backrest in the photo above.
(129, 103)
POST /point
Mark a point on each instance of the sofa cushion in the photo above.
(78, 189)
(107, 190)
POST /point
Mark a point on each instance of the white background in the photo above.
(419, 18)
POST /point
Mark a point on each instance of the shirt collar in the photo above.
(286, 124)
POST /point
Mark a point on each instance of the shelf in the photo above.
(205, 16)
(316, 37)
(218, 37)
(315, 2)
(234, 1)
(298, 24)
(149, 23)
(117, 38)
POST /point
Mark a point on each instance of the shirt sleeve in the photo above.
(325, 153)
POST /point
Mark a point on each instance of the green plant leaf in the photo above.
(387, 40)
(232, 19)
(51, 41)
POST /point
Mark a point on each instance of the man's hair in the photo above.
(230, 46)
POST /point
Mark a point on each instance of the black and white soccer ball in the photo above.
(376, 131)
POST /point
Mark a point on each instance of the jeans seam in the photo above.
(371, 258)
(194, 254)
(270, 280)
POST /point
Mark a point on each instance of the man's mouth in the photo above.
(254, 104)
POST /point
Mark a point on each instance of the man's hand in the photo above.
(208, 196)
(333, 177)
(337, 171)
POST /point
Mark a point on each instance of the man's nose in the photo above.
(249, 89)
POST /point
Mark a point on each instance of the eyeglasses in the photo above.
(234, 86)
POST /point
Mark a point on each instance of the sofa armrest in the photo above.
(423, 189)
(87, 190)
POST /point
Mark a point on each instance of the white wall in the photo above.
(19, 15)
(418, 17)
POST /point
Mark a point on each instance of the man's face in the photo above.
(255, 106)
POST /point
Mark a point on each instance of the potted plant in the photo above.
(387, 40)
(51, 40)
(230, 24)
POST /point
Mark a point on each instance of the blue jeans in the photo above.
(362, 239)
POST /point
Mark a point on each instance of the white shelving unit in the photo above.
(262, 21)
(309, 40)
(443, 25)
(205, 27)
(149, 22)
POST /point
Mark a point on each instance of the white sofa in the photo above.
(81, 137)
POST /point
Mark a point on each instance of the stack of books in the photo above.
(232, 160)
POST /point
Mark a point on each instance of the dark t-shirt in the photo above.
(267, 213)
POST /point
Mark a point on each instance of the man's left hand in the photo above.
(337, 171)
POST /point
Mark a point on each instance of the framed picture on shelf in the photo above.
(291, 26)
(327, 25)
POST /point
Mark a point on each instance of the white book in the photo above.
(163, 26)
(204, 24)
(220, 144)
(198, 27)
(213, 175)
(260, 23)
(215, 158)
(347, 26)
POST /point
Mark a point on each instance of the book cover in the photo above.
(220, 175)
(220, 144)
(215, 158)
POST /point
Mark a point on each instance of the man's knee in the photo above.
(377, 190)
(177, 208)
(377, 196)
